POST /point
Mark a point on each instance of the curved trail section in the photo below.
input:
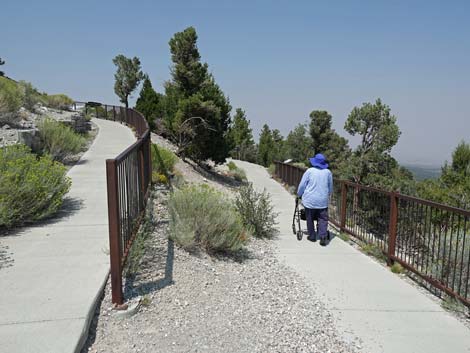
(367, 300)
(57, 269)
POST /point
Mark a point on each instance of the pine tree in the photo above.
(196, 111)
(148, 103)
(326, 140)
(241, 138)
(265, 146)
(299, 144)
(2, 62)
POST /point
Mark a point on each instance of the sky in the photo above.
(277, 60)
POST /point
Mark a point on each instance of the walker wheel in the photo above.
(299, 235)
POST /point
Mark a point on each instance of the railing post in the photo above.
(392, 235)
(114, 113)
(149, 156)
(106, 111)
(344, 193)
(114, 232)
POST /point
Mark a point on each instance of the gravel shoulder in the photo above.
(250, 302)
(197, 303)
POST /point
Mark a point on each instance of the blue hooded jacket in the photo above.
(316, 187)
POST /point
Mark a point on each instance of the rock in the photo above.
(30, 138)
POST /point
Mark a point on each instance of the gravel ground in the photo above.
(197, 303)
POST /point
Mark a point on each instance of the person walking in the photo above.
(315, 189)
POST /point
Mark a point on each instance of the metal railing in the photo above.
(128, 179)
(430, 239)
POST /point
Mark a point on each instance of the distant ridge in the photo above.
(422, 172)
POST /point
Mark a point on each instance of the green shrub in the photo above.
(167, 157)
(272, 169)
(256, 211)
(57, 101)
(158, 178)
(231, 166)
(30, 188)
(11, 99)
(31, 95)
(344, 236)
(59, 140)
(201, 217)
(374, 250)
(397, 268)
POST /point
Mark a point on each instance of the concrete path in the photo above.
(59, 268)
(368, 301)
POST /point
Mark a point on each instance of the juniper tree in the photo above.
(379, 133)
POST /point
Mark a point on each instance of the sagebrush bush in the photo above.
(57, 101)
(30, 188)
(31, 95)
(201, 217)
(231, 165)
(239, 174)
(256, 211)
(58, 140)
(167, 157)
(11, 99)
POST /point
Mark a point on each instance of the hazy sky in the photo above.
(278, 60)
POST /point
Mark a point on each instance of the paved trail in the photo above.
(387, 313)
(59, 268)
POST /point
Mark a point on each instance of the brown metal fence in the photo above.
(128, 179)
(430, 239)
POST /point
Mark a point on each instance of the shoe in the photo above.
(323, 242)
(311, 238)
